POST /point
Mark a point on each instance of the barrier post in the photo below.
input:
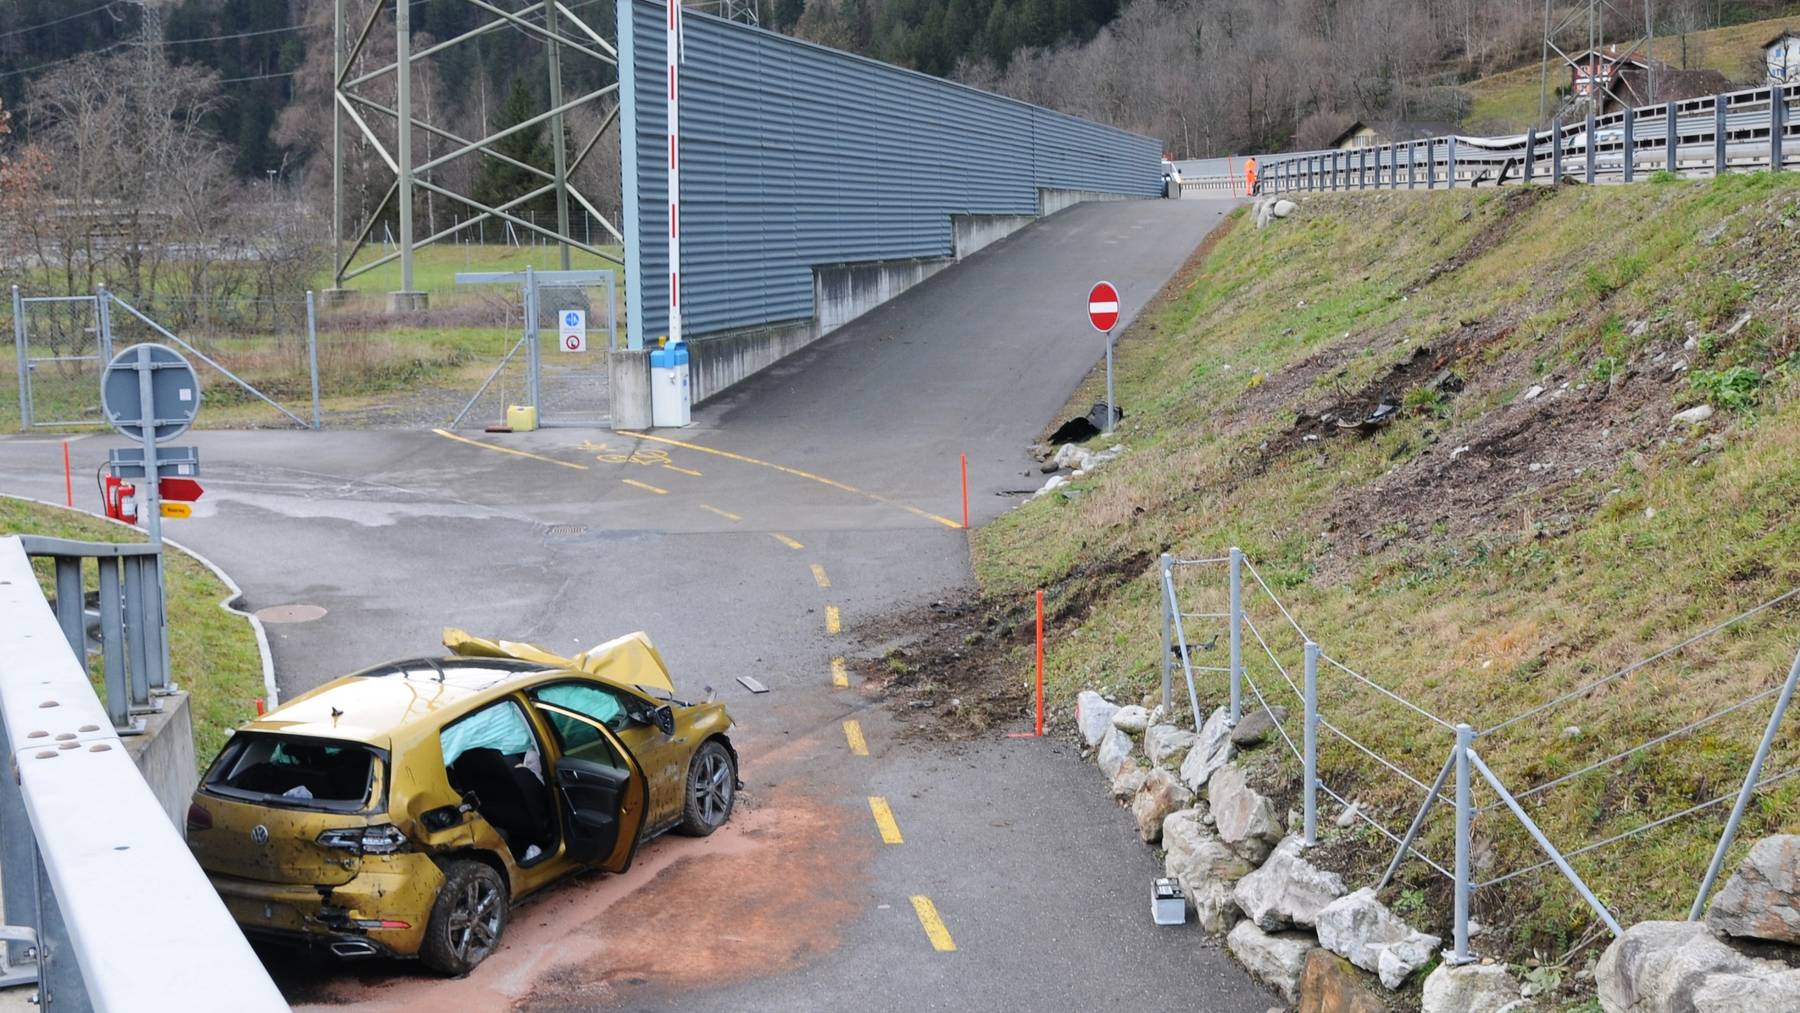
(1530, 153)
(1556, 154)
(1718, 135)
(68, 478)
(312, 353)
(1590, 145)
(1040, 663)
(1237, 635)
(1431, 165)
(965, 490)
(1776, 101)
(1309, 785)
(1166, 566)
(1465, 735)
(1630, 172)
(1671, 139)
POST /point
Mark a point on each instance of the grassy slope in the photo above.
(1508, 101)
(212, 652)
(1482, 587)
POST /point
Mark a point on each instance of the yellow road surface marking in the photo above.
(785, 540)
(797, 473)
(645, 486)
(728, 515)
(934, 926)
(819, 576)
(853, 735)
(834, 623)
(446, 434)
(684, 471)
(884, 819)
(839, 677)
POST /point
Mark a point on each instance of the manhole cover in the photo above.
(290, 613)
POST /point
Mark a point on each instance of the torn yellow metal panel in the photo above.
(630, 660)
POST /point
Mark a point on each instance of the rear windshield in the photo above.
(296, 771)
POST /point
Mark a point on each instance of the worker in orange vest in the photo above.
(1250, 176)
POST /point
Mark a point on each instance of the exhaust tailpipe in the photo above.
(352, 948)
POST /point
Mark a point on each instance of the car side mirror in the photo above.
(664, 717)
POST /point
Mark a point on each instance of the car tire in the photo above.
(466, 920)
(711, 789)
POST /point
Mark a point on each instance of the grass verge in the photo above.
(1491, 547)
(212, 652)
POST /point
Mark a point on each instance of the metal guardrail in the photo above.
(1742, 130)
(101, 894)
(1463, 761)
(132, 623)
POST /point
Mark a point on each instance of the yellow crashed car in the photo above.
(402, 810)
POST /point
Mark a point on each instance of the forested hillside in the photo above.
(1206, 76)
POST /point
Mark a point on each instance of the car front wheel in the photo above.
(467, 919)
(711, 790)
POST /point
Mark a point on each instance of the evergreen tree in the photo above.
(499, 181)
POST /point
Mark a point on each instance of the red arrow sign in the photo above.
(181, 490)
(1103, 306)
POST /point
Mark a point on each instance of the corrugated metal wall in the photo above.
(794, 156)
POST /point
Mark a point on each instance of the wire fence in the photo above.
(1270, 650)
(1709, 136)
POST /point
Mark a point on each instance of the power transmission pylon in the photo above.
(1592, 14)
(550, 22)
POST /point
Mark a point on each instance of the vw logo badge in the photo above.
(259, 834)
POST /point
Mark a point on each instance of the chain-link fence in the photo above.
(1583, 751)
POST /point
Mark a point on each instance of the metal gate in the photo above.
(569, 388)
(63, 343)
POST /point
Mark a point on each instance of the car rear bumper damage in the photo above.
(382, 911)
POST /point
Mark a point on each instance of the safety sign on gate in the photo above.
(574, 330)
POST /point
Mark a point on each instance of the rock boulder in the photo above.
(1131, 720)
(1204, 866)
(1129, 782)
(1471, 988)
(1245, 819)
(1362, 930)
(1115, 753)
(1166, 745)
(1287, 890)
(1682, 966)
(1210, 751)
(1277, 959)
(1256, 727)
(1761, 900)
(1093, 716)
(1330, 985)
(1160, 796)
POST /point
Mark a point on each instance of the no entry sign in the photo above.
(1103, 307)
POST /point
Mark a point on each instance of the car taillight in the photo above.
(383, 839)
(198, 818)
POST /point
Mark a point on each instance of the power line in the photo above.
(246, 35)
(58, 21)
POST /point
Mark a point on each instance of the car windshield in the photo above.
(296, 771)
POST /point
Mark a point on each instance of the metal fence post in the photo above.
(1718, 135)
(16, 857)
(312, 352)
(1671, 139)
(1630, 168)
(1556, 154)
(1411, 174)
(1460, 926)
(103, 321)
(1776, 101)
(1530, 154)
(1393, 167)
(1744, 793)
(1590, 145)
(1309, 784)
(1237, 634)
(1450, 162)
(112, 642)
(1167, 566)
(18, 308)
(531, 338)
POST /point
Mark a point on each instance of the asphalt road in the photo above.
(826, 486)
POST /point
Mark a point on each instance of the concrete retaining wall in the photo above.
(1051, 201)
(974, 232)
(164, 754)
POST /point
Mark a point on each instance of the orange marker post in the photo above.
(68, 478)
(965, 481)
(1040, 663)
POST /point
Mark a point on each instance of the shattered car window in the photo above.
(597, 702)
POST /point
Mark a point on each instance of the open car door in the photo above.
(604, 793)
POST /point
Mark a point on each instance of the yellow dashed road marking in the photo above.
(819, 576)
(785, 540)
(684, 471)
(839, 677)
(884, 819)
(934, 926)
(854, 736)
(834, 622)
(446, 434)
(644, 486)
(797, 473)
(728, 515)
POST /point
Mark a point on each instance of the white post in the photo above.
(672, 52)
